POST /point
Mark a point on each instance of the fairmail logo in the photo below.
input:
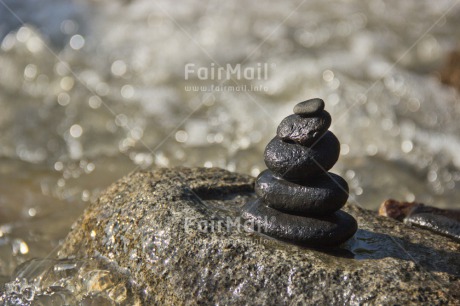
(228, 72)
(228, 224)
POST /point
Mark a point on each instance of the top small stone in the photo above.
(309, 108)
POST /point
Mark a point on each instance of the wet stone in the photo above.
(299, 197)
(436, 223)
(442, 221)
(304, 131)
(309, 107)
(158, 242)
(295, 162)
(319, 196)
(330, 230)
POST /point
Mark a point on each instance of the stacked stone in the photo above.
(299, 201)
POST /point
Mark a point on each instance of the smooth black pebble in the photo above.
(309, 107)
(331, 230)
(304, 130)
(318, 196)
(437, 223)
(296, 162)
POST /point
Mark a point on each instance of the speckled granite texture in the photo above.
(168, 230)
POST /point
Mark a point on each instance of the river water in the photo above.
(92, 90)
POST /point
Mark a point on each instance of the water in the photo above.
(90, 91)
(68, 282)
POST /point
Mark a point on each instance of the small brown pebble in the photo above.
(450, 73)
(397, 210)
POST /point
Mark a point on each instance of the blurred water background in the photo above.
(92, 90)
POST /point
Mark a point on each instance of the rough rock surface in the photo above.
(162, 228)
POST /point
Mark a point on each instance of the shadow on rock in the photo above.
(372, 245)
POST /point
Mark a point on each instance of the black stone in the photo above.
(309, 107)
(296, 162)
(304, 130)
(321, 195)
(332, 230)
(437, 223)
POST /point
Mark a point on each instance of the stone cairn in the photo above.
(298, 200)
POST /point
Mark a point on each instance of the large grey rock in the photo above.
(167, 230)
